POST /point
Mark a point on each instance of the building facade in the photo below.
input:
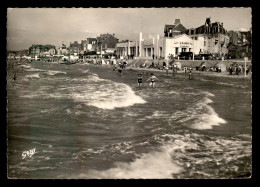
(74, 48)
(210, 38)
(156, 46)
(63, 50)
(240, 43)
(42, 50)
(89, 44)
(106, 42)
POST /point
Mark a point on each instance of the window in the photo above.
(196, 38)
(132, 50)
(204, 43)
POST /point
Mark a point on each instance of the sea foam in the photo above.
(51, 72)
(200, 115)
(153, 165)
(35, 75)
(106, 94)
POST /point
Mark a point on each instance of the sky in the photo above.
(27, 26)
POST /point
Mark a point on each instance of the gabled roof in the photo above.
(180, 27)
(166, 27)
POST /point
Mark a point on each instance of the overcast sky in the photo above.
(27, 26)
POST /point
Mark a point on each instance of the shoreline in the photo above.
(181, 72)
(145, 69)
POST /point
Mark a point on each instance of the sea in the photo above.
(84, 121)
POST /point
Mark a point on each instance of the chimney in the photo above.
(177, 21)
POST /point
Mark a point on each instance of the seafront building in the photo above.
(17, 54)
(106, 44)
(240, 43)
(63, 50)
(88, 45)
(208, 38)
(42, 50)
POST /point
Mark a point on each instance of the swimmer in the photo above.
(120, 69)
(139, 80)
(152, 79)
(190, 75)
(14, 75)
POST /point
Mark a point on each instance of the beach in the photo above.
(87, 121)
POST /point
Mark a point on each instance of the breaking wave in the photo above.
(108, 95)
(199, 115)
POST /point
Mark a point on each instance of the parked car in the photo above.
(186, 55)
(206, 57)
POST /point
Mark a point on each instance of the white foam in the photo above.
(203, 116)
(33, 69)
(173, 92)
(153, 165)
(157, 114)
(68, 111)
(51, 72)
(209, 119)
(208, 94)
(25, 66)
(106, 94)
(179, 152)
(35, 75)
(220, 150)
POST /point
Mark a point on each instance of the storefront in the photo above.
(174, 46)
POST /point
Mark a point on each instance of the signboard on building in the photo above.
(183, 44)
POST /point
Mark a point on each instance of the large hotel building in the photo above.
(208, 38)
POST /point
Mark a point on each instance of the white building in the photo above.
(164, 46)
(216, 44)
(156, 46)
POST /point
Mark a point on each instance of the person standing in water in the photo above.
(120, 69)
(139, 80)
(152, 79)
(190, 74)
(14, 75)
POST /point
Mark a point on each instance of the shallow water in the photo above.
(90, 122)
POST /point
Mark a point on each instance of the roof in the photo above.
(176, 29)
(166, 27)
(180, 27)
(90, 40)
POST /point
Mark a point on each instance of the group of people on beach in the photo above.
(238, 69)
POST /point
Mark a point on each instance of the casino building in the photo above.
(208, 38)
